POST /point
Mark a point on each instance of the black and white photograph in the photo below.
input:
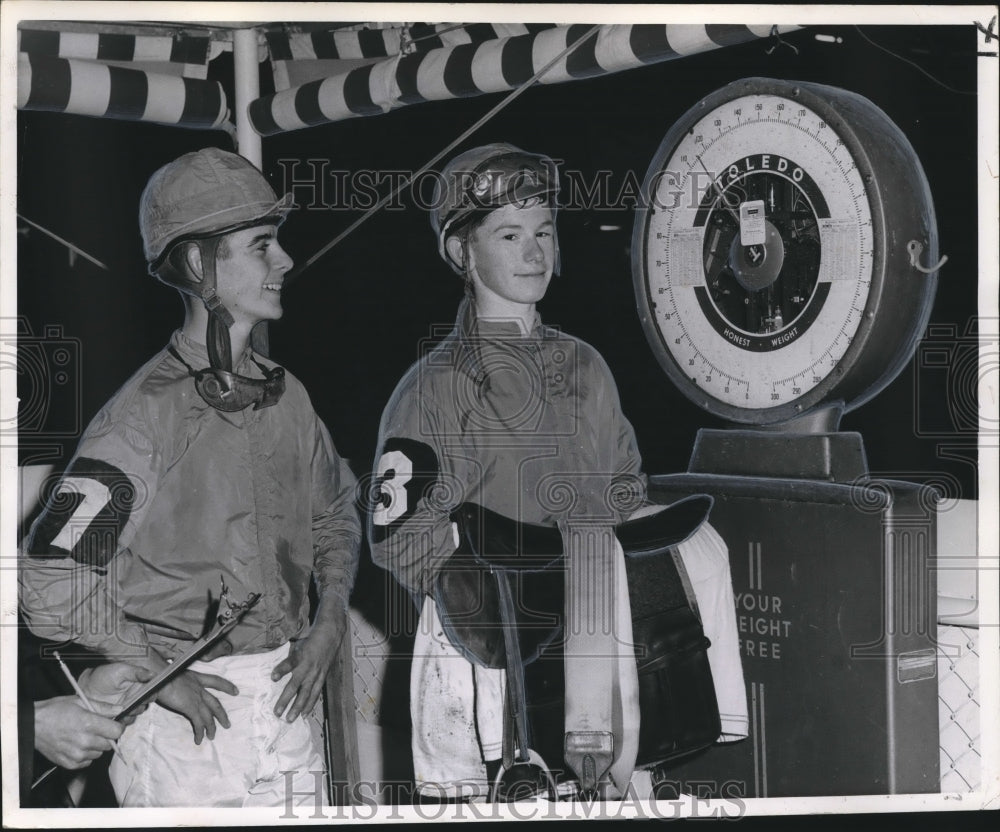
(437, 412)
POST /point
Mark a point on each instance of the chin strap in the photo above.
(220, 319)
(220, 351)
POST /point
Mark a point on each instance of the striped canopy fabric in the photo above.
(107, 73)
(183, 53)
(301, 56)
(326, 72)
(442, 62)
(382, 41)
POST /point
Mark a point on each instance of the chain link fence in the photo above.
(370, 647)
(958, 708)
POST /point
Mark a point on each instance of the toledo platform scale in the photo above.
(779, 273)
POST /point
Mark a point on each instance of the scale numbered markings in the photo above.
(758, 325)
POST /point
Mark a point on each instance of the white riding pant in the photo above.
(246, 765)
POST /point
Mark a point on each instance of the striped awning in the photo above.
(301, 54)
(383, 41)
(156, 77)
(478, 61)
(326, 72)
(181, 53)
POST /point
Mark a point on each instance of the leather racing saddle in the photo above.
(501, 598)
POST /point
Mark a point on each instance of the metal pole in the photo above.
(341, 712)
(247, 84)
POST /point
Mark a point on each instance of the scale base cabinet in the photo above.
(836, 614)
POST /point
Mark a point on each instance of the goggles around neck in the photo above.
(507, 179)
(231, 392)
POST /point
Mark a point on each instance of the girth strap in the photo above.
(517, 708)
(602, 688)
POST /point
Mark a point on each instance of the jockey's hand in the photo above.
(308, 663)
(187, 694)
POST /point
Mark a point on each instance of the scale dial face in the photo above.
(756, 252)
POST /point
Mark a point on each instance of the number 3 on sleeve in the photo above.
(405, 473)
(394, 471)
